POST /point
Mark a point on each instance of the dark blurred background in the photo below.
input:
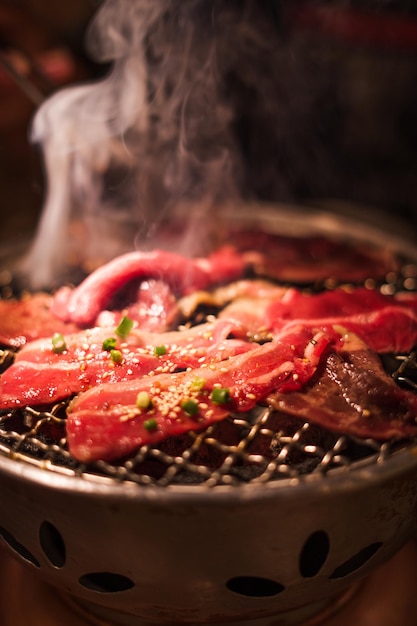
(345, 124)
(51, 36)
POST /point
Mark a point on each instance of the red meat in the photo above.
(106, 422)
(351, 393)
(83, 304)
(40, 375)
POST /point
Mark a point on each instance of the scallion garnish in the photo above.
(220, 395)
(58, 343)
(189, 406)
(143, 400)
(124, 327)
(109, 343)
(160, 350)
(116, 356)
(198, 383)
(150, 424)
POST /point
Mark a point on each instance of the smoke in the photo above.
(201, 101)
(158, 131)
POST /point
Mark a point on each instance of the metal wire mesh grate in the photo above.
(258, 446)
(245, 448)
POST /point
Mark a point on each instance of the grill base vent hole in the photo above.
(52, 544)
(106, 582)
(254, 586)
(356, 561)
(314, 554)
(17, 547)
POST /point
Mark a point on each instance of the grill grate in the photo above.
(245, 448)
(255, 447)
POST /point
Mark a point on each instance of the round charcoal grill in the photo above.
(254, 519)
(248, 447)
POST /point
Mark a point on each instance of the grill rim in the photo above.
(360, 474)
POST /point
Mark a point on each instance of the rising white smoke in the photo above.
(119, 151)
(195, 89)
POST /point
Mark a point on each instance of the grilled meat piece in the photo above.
(302, 260)
(351, 393)
(83, 304)
(29, 318)
(42, 375)
(107, 422)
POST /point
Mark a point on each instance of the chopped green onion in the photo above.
(124, 327)
(116, 356)
(58, 343)
(109, 343)
(189, 406)
(143, 400)
(150, 424)
(160, 350)
(220, 395)
(198, 383)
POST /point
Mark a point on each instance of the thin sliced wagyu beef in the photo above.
(351, 393)
(28, 318)
(84, 303)
(110, 421)
(46, 372)
(141, 285)
(385, 323)
(301, 260)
